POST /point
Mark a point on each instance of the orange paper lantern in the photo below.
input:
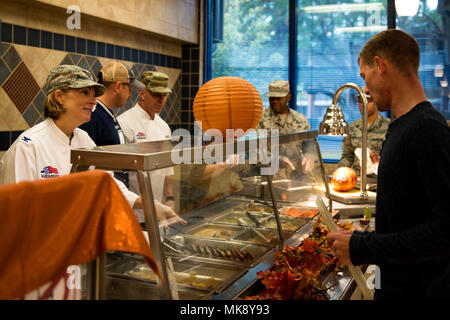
(228, 103)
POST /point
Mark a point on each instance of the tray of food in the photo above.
(190, 273)
(254, 207)
(288, 223)
(125, 289)
(216, 231)
(300, 212)
(261, 236)
(234, 216)
(226, 251)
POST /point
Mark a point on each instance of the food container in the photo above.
(292, 190)
(289, 224)
(253, 235)
(213, 250)
(190, 274)
(215, 231)
(234, 216)
(305, 212)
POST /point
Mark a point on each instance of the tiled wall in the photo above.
(27, 54)
(190, 83)
(171, 18)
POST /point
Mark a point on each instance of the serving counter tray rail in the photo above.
(143, 158)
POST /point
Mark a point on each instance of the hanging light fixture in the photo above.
(407, 7)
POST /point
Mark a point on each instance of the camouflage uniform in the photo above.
(375, 136)
(293, 122)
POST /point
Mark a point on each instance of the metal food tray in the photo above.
(288, 223)
(293, 190)
(267, 221)
(252, 252)
(300, 209)
(191, 273)
(121, 289)
(231, 217)
(252, 236)
(219, 231)
(254, 207)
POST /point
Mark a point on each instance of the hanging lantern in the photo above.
(228, 103)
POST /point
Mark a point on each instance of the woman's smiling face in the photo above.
(78, 105)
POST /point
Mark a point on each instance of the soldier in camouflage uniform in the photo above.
(280, 116)
(377, 129)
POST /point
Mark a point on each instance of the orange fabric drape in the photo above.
(49, 224)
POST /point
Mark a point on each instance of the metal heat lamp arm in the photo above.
(363, 186)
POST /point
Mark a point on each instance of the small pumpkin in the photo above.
(343, 179)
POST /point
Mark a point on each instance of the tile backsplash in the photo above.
(27, 54)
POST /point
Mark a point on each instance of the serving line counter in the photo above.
(236, 217)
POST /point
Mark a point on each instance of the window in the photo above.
(330, 34)
(330, 37)
(429, 26)
(255, 44)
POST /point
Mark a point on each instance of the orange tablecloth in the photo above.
(49, 224)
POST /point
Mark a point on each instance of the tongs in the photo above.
(173, 243)
(242, 222)
(253, 219)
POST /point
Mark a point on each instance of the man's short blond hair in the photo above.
(397, 46)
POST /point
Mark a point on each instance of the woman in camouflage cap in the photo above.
(43, 151)
(71, 93)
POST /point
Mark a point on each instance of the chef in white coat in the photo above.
(142, 123)
(43, 151)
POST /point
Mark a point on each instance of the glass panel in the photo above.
(330, 35)
(255, 44)
(430, 28)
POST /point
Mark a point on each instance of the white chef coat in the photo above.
(43, 151)
(138, 127)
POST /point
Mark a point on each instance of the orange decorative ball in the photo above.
(228, 103)
(343, 179)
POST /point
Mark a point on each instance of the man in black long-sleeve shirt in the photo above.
(411, 242)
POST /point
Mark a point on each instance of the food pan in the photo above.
(128, 289)
(225, 251)
(216, 231)
(288, 223)
(234, 216)
(268, 238)
(190, 273)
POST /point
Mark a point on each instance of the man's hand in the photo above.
(374, 157)
(138, 203)
(285, 162)
(307, 164)
(171, 204)
(166, 216)
(340, 244)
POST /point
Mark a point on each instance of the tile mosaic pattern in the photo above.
(21, 87)
(26, 56)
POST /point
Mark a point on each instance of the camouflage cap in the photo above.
(73, 77)
(278, 89)
(156, 81)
